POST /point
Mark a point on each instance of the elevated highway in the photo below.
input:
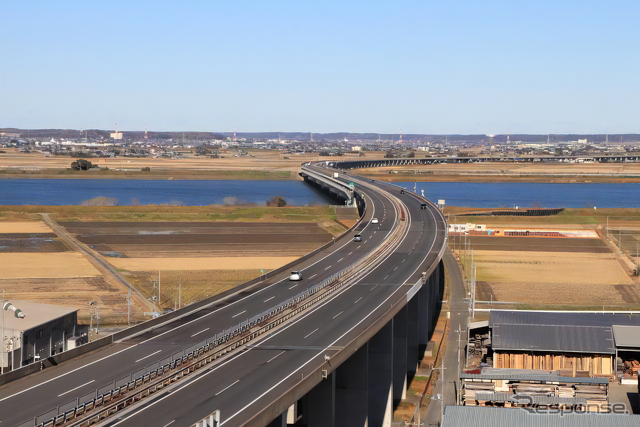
(409, 161)
(389, 286)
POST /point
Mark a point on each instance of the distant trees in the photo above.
(81, 165)
(277, 201)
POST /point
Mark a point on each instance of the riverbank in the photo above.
(276, 165)
(502, 172)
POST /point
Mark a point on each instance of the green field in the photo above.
(171, 213)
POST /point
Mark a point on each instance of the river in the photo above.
(208, 192)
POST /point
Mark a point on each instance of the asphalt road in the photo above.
(249, 381)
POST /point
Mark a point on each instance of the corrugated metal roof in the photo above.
(627, 336)
(513, 375)
(551, 318)
(553, 338)
(525, 399)
(477, 416)
(557, 332)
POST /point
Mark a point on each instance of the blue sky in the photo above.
(425, 66)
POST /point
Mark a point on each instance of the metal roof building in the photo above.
(474, 416)
(559, 332)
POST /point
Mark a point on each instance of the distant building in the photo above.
(582, 141)
(116, 135)
(46, 330)
(356, 148)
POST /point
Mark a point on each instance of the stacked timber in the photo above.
(472, 388)
(592, 365)
(596, 396)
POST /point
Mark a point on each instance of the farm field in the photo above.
(198, 251)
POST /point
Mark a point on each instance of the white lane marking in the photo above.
(385, 277)
(327, 268)
(269, 299)
(236, 315)
(308, 335)
(279, 354)
(294, 286)
(358, 300)
(70, 372)
(365, 241)
(395, 268)
(311, 359)
(358, 247)
(73, 389)
(349, 253)
(149, 355)
(167, 425)
(338, 314)
(373, 288)
(198, 333)
(313, 276)
(340, 259)
(227, 387)
(180, 388)
(403, 260)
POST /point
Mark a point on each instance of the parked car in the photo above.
(295, 276)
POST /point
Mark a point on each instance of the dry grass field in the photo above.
(274, 164)
(181, 287)
(509, 172)
(549, 267)
(45, 265)
(12, 227)
(202, 263)
(260, 164)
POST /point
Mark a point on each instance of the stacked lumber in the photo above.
(596, 396)
(471, 388)
(593, 365)
(566, 391)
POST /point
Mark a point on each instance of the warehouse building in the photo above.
(469, 416)
(45, 330)
(573, 344)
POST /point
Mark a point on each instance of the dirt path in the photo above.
(110, 273)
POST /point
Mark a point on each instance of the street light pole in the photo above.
(19, 314)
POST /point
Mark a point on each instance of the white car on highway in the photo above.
(374, 221)
(295, 276)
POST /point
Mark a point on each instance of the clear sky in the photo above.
(488, 67)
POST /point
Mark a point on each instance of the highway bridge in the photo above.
(359, 164)
(336, 348)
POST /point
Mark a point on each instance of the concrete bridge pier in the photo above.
(352, 390)
(413, 337)
(400, 330)
(381, 377)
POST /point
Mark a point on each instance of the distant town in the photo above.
(173, 145)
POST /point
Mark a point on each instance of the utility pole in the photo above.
(442, 368)
(129, 308)
(473, 306)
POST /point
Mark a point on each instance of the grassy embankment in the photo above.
(153, 174)
(171, 213)
(567, 216)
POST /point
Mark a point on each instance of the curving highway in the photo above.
(249, 386)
